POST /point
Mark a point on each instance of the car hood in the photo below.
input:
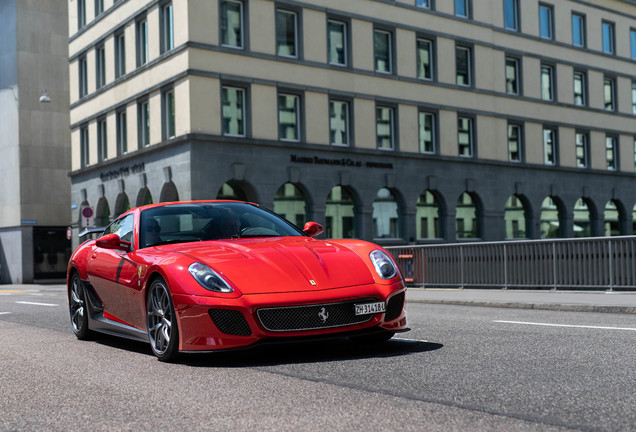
(283, 264)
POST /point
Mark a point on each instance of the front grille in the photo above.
(394, 307)
(230, 322)
(310, 317)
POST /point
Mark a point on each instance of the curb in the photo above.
(539, 306)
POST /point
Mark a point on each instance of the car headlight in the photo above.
(208, 278)
(383, 264)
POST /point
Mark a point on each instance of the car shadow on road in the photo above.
(308, 352)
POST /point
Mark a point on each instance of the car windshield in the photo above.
(180, 223)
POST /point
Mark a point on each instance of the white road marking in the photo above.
(5, 313)
(36, 304)
(566, 325)
(408, 340)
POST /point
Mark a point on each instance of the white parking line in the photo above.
(36, 304)
(566, 325)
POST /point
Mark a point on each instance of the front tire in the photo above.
(78, 308)
(161, 321)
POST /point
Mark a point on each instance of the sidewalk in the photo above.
(578, 301)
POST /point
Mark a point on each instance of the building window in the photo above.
(385, 127)
(232, 24)
(99, 7)
(382, 48)
(463, 66)
(337, 43)
(512, 76)
(120, 54)
(424, 58)
(122, 132)
(143, 125)
(634, 97)
(608, 38)
(233, 111)
(546, 21)
(339, 122)
(84, 148)
(289, 117)
(426, 121)
(168, 114)
(578, 30)
(463, 8)
(547, 82)
(465, 136)
(611, 153)
(167, 28)
(514, 143)
(81, 14)
(581, 150)
(142, 42)
(549, 146)
(580, 86)
(609, 94)
(100, 66)
(632, 37)
(83, 76)
(102, 141)
(426, 4)
(287, 33)
(511, 14)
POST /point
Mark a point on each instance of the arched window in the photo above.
(169, 193)
(340, 214)
(612, 219)
(515, 218)
(386, 216)
(466, 220)
(427, 217)
(582, 225)
(231, 191)
(550, 219)
(102, 213)
(144, 197)
(122, 204)
(290, 203)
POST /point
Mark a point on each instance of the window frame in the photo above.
(102, 139)
(244, 108)
(431, 55)
(166, 32)
(612, 104)
(612, 164)
(143, 127)
(84, 146)
(472, 136)
(520, 142)
(299, 127)
(392, 67)
(82, 64)
(582, 29)
(242, 27)
(632, 41)
(611, 27)
(392, 125)
(584, 89)
(346, 23)
(634, 97)
(469, 65)
(429, 4)
(434, 127)
(466, 5)
(584, 146)
(100, 65)
(81, 14)
(515, 14)
(550, 10)
(122, 130)
(168, 118)
(120, 53)
(141, 40)
(518, 81)
(99, 7)
(552, 81)
(297, 13)
(348, 120)
(553, 144)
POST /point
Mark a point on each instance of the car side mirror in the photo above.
(112, 241)
(313, 229)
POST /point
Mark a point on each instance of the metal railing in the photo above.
(587, 263)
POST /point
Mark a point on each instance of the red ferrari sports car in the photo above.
(215, 275)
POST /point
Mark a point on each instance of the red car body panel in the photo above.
(263, 271)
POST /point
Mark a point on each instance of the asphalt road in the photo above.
(461, 368)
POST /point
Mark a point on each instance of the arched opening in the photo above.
(231, 191)
(290, 203)
(466, 220)
(612, 217)
(386, 215)
(169, 193)
(341, 214)
(551, 216)
(582, 222)
(427, 216)
(515, 218)
(122, 204)
(143, 197)
(102, 213)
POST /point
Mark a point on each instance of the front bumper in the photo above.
(198, 332)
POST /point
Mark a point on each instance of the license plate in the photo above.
(370, 308)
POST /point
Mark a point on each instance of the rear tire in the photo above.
(161, 321)
(78, 308)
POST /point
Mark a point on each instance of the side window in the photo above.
(123, 227)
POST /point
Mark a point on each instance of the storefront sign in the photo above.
(122, 172)
(315, 160)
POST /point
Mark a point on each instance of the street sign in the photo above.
(88, 217)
